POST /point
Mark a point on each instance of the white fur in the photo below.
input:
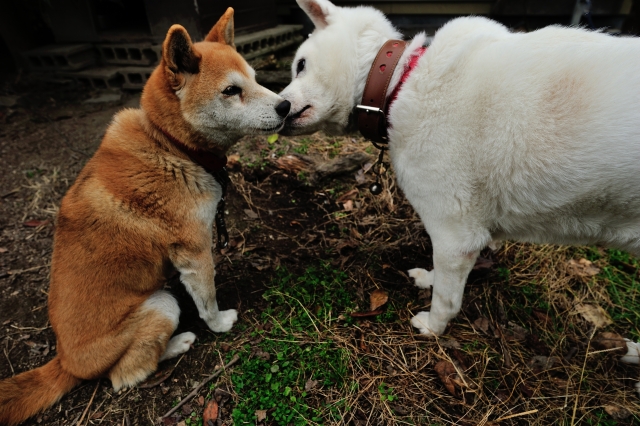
(178, 345)
(633, 353)
(495, 135)
(164, 303)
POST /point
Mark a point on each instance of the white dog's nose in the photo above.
(283, 108)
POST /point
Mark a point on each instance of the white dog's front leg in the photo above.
(449, 277)
(197, 274)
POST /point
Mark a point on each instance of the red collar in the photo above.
(408, 68)
(206, 159)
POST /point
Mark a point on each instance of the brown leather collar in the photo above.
(372, 121)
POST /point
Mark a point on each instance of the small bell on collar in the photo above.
(375, 188)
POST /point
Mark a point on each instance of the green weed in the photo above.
(301, 312)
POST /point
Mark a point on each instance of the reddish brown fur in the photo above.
(132, 210)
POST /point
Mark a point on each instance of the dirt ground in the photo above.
(518, 359)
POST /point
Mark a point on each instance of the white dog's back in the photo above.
(534, 136)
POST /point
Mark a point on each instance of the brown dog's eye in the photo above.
(232, 91)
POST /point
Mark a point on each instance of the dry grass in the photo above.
(521, 350)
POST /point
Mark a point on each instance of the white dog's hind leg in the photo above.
(422, 277)
(449, 277)
(178, 345)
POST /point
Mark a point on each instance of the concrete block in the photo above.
(69, 57)
(135, 77)
(140, 54)
(267, 41)
(98, 78)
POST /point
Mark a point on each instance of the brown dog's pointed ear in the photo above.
(222, 31)
(179, 56)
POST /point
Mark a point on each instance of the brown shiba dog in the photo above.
(140, 204)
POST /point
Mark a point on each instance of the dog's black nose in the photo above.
(283, 108)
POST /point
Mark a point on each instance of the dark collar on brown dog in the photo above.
(209, 161)
(372, 121)
(215, 166)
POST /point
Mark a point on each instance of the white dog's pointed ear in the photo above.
(318, 11)
(222, 31)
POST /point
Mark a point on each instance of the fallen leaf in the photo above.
(201, 400)
(310, 385)
(617, 413)
(363, 345)
(542, 317)
(221, 395)
(233, 162)
(582, 268)
(450, 344)
(186, 409)
(36, 223)
(514, 333)
(449, 376)
(526, 390)
(594, 314)
(251, 214)
(378, 298)
(609, 340)
(261, 415)
(343, 244)
(210, 412)
(482, 263)
(3, 250)
(272, 138)
(348, 205)
(349, 195)
(542, 363)
(293, 163)
(170, 421)
(461, 359)
(481, 324)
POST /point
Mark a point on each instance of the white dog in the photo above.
(495, 135)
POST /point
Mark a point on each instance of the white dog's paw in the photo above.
(495, 245)
(633, 354)
(224, 321)
(421, 322)
(178, 345)
(422, 277)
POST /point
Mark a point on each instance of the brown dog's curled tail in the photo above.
(29, 393)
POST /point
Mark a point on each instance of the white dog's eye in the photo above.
(232, 91)
(300, 66)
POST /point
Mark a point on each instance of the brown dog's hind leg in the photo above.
(155, 320)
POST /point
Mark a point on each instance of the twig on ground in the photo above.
(524, 413)
(195, 391)
(22, 271)
(9, 361)
(84, 413)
